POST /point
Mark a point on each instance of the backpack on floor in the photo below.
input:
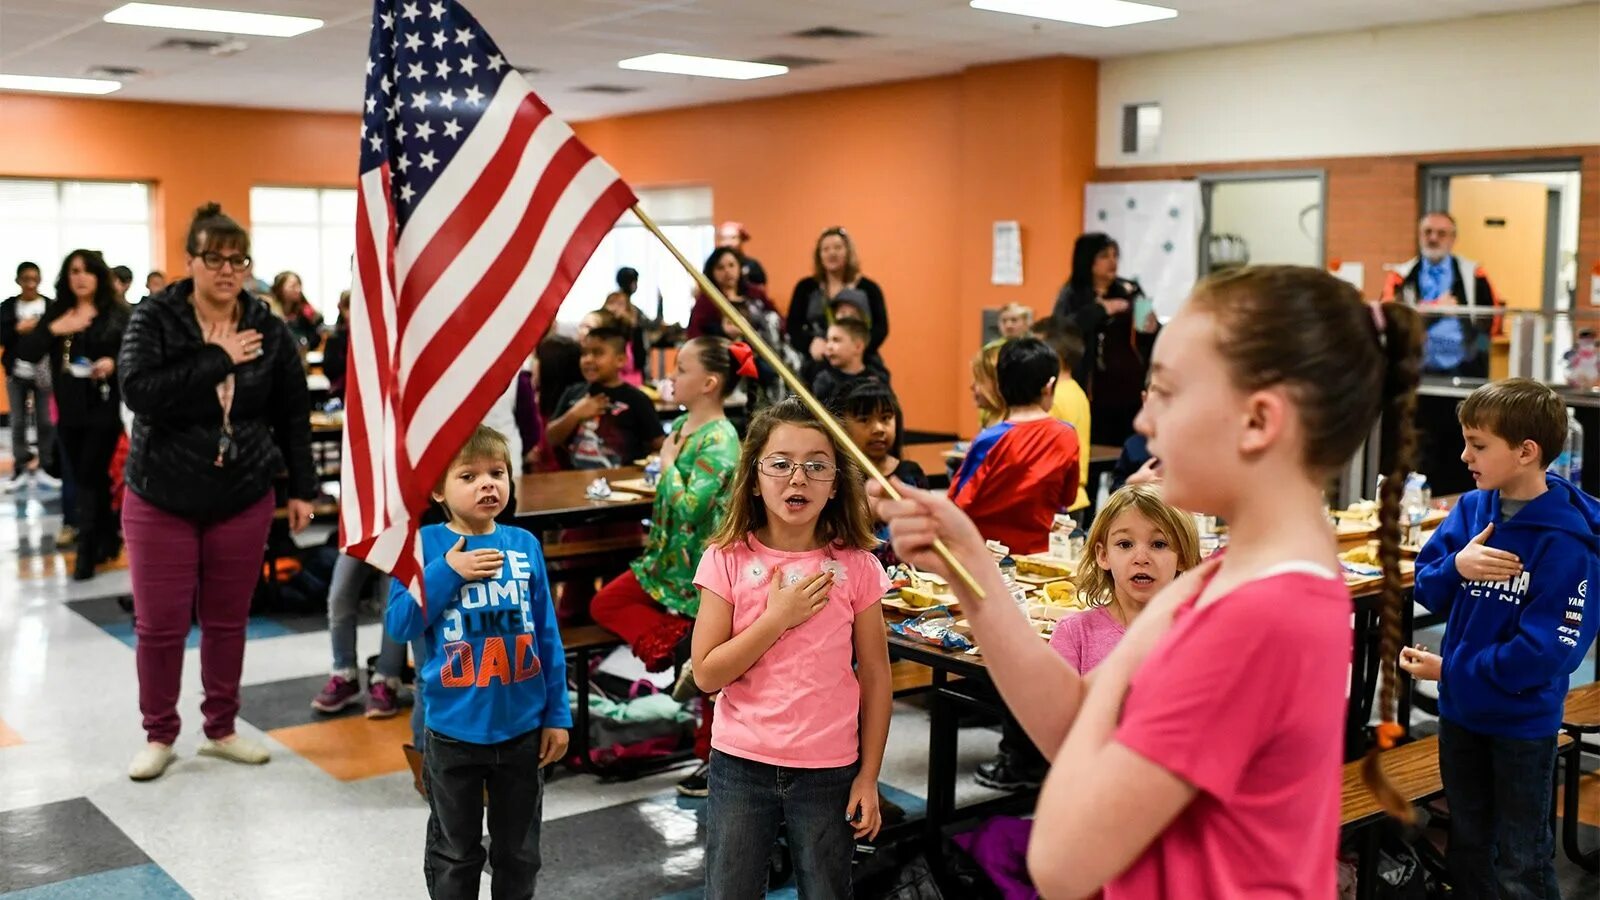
(642, 724)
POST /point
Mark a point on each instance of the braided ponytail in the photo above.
(1402, 341)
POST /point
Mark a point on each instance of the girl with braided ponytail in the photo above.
(1202, 757)
(652, 605)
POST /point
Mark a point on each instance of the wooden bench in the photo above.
(1581, 716)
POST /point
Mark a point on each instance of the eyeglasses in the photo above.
(214, 261)
(780, 467)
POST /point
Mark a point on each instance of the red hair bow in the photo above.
(745, 360)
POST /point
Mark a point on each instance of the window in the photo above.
(41, 221)
(684, 215)
(308, 231)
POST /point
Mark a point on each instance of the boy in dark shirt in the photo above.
(604, 423)
(846, 354)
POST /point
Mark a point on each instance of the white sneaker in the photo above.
(150, 762)
(43, 479)
(16, 483)
(237, 749)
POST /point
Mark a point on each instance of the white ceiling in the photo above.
(578, 42)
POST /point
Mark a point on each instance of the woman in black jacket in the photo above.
(221, 408)
(1103, 307)
(835, 267)
(85, 323)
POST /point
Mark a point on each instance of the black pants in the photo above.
(90, 448)
(1501, 845)
(457, 774)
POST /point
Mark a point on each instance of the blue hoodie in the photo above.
(1510, 645)
(494, 667)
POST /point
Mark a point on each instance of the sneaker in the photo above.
(66, 537)
(698, 784)
(337, 694)
(237, 749)
(1003, 774)
(43, 479)
(17, 483)
(382, 703)
(151, 762)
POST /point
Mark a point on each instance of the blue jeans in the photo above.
(350, 575)
(459, 775)
(750, 801)
(1501, 844)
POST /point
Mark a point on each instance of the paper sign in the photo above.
(1007, 266)
(1352, 273)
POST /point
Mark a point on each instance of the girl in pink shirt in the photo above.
(1136, 546)
(789, 594)
(1201, 758)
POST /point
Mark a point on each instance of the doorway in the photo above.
(1256, 218)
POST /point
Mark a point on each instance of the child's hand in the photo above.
(796, 603)
(591, 406)
(474, 565)
(1420, 664)
(862, 812)
(552, 746)
(1147, 473)
(1479, 562)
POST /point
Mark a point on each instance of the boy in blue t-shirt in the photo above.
(493, 679)
(1511, 569)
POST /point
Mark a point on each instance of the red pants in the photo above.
(623, 608)
(179, 566)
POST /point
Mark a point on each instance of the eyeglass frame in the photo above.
(239, 262)
(811, 475)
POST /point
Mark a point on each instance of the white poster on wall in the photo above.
(1007, 264)
(1156, 225)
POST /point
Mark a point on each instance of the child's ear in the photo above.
(1528, 452)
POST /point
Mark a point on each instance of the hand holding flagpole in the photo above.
(800, 390)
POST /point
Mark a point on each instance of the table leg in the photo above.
(1407, 638)
(942, 734)
(1367, 862)
(1569, 810)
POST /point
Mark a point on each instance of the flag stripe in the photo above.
(361, 481)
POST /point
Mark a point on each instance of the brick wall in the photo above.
(1373, 201)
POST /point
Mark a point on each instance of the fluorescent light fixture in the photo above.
(710, 67)
(54, 85)
(1099, 13)
(194, 18)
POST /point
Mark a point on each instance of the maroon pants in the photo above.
(180, 567)
(623, 608)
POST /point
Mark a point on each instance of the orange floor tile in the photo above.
(8, 737)
(351, 748)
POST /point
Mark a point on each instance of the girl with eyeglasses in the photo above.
(789, 594)
(220, 408)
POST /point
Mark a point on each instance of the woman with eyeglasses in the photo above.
(835, 268)
(220, 405)
(86, 324)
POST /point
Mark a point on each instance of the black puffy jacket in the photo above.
(169, 379)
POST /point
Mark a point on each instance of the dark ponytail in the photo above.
(212, 229)
(1402, 342)
(717, 359)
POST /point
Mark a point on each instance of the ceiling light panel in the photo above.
(1099, 13)
(704, 66)
(194, 18)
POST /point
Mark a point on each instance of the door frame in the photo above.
(1209, 180)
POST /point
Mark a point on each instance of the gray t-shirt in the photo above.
(1509, 507)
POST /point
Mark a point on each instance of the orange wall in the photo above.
(916, 171)
(191, 154)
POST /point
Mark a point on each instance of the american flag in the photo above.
(476, 210)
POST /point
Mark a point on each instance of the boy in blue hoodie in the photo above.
(493, 679)
(1510, 569)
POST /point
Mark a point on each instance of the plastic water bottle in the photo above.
(652, 471)
(1008, 573)
(1569, 464)
(1413, 507)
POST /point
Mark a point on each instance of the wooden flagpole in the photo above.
(800, 390)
